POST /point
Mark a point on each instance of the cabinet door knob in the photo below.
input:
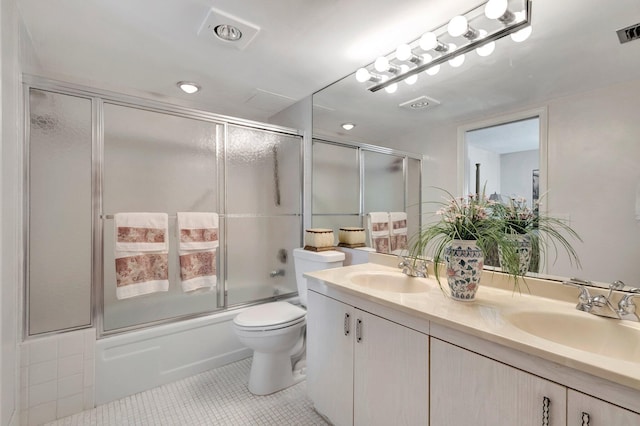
(586, 419)
(546, 402)
(347, 324)
(359, 330)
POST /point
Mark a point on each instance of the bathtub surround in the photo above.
(57, 376)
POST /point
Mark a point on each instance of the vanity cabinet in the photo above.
(470, 389)
(363, 369)
(585, 410)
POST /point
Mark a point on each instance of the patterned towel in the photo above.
(398, 227)
(378, 225)
(141, 253)
(197, 248)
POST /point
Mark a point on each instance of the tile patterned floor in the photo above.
(216, 397)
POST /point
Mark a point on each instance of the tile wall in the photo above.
(57, 376)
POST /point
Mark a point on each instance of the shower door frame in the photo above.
(98, 97)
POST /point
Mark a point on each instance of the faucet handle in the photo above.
(616, 285)
(626, 305)
(584, 299)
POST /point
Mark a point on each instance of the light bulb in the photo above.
(188, 87)
(412, 78)
(363, 75)
(381, 64)
(428, 41)
(495, 9)
(348, 126)
(458, 26)
(458, 60)
(391, 88)
(403, 52)
(488, 48)
(433, 70)
(522, 35)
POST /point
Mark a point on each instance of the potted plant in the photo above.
(465, 228)
(530, 231)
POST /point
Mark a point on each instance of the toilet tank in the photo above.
(309, 261)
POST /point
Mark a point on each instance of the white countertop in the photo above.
(487, 317)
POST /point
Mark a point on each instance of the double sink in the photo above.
(560, 324)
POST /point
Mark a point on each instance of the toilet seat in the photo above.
(270, 316)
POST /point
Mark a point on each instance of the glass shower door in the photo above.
(156, 162)
(264, 206)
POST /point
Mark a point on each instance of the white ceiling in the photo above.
(146, 46)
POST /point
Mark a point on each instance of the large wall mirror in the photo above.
(573, 67)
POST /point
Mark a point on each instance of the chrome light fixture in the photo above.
(477, 29)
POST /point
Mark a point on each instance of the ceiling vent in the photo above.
(629, 34)
(220, 22)
(419, 104)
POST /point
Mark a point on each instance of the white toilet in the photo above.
(275, 331)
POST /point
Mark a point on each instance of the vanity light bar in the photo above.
(508, 27)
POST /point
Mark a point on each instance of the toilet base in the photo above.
(272, 372)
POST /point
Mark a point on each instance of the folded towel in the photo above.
(198, 240)
(197, 231)
(398, 222)
(378, 225)
(138, 232)
(141, 253)
(398, 227)
(198, 269)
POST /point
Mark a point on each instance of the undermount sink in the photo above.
(583, 331)
(395, 282)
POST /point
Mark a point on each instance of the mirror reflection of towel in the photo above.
(378, 226)
(398, 231)
(141, 253)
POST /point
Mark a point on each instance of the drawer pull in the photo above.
(347, 324)
(359, 330)
(546, 402)
(586, 419)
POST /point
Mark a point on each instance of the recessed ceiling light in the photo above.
(348, 126)
(227, 32)
(188, 87)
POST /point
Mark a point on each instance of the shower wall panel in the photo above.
(59, 237)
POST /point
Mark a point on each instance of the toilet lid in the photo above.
(269, 314)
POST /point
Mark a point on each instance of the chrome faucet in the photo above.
(601, 305)
(626, 307)
(414, 267)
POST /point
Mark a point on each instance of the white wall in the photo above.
(593, 178)
(490, 170)
(11, 228)
(594, 173)
(516, 170)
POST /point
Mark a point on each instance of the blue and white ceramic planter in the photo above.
(465, 261)
(523, 250)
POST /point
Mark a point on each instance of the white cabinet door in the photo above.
(584, 410)
(330, 357)
(469, 389)
(391, 379)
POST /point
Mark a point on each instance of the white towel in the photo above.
(398, 228)
(197, 231)
(141, 253)
(378, 225)
(197, 243)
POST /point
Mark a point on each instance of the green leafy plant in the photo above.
(515, 217)
(460, 218)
